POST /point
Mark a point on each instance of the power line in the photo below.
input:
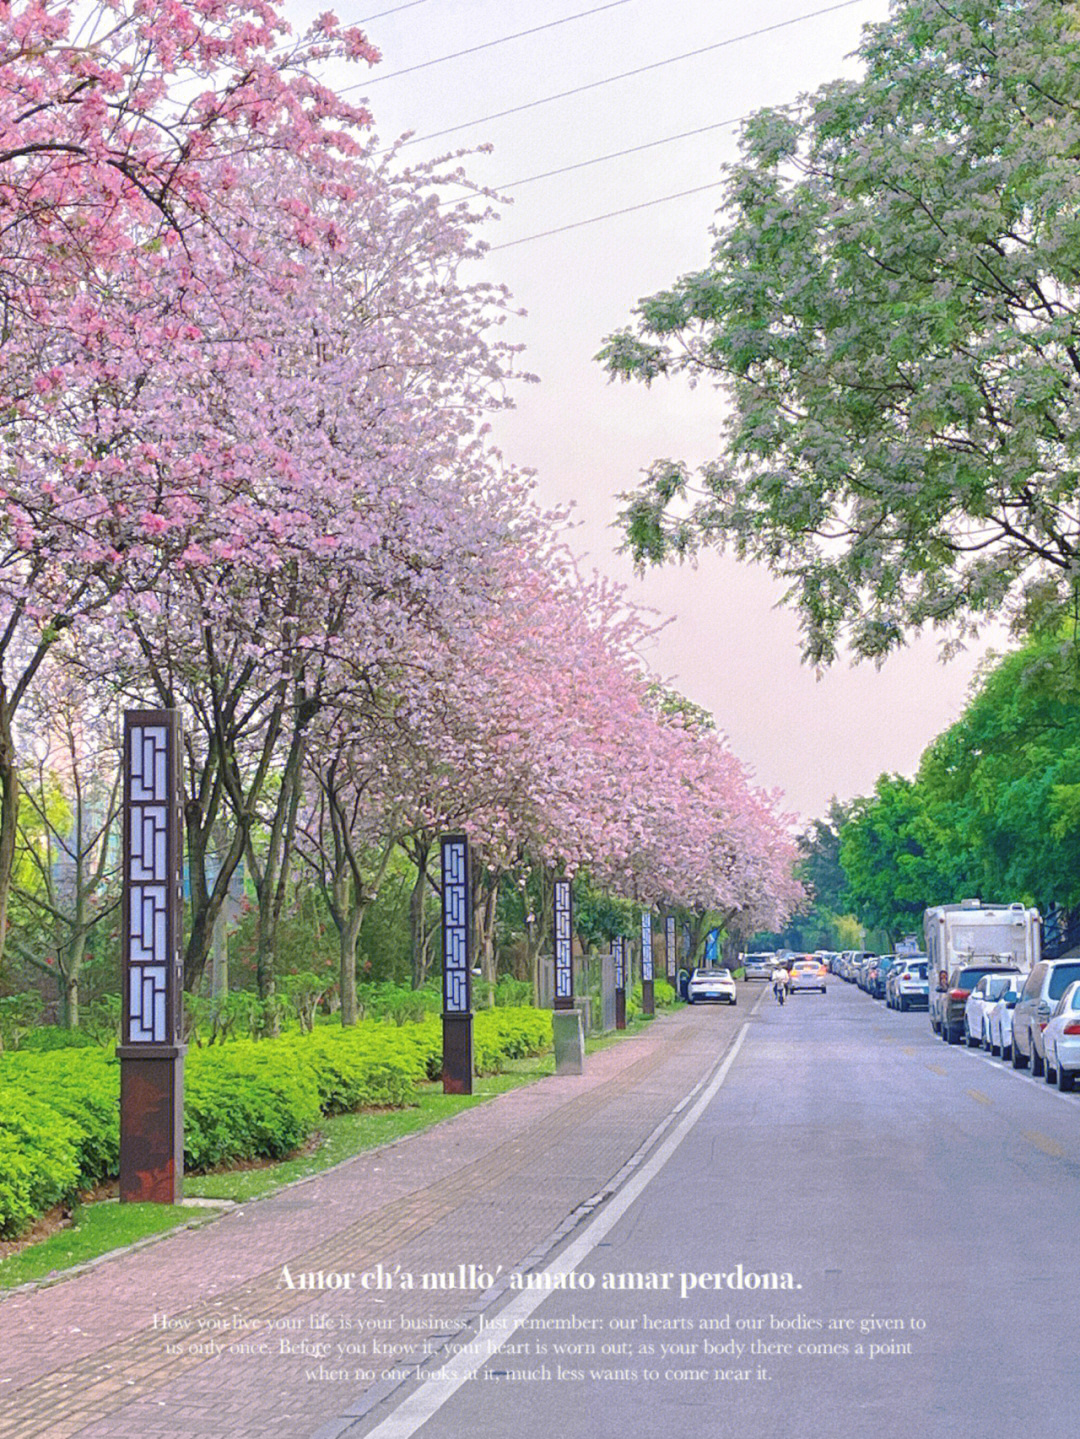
(487, 45)
(383, 13)
(595, 219)
(616, 154)
(626, 74)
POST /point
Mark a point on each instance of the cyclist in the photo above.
(780, 983)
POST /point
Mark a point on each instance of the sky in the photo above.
(728, 643)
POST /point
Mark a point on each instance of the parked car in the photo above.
(955, 995)
(1045, 985)
(712, 984)
(808, 974)
(879, 974)
(999, 1020)
(977, 1009)
(863, 964)
(907, 986)
(1061, 1039)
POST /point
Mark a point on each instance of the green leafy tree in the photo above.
(892, 308)
(893, 856)
(993, 811)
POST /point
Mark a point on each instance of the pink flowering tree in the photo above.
(121, 127)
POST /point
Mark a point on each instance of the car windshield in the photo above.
(969, 978)
(915, 971)
(1060, 978)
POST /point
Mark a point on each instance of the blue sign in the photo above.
(712, 946)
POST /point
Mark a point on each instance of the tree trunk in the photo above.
(351, 910)
(419, 940)
(9, 814)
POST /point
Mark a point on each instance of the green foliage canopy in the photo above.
(994, 810)
(892, 308)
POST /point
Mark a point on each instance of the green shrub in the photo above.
(83, 1086)
(502, 1034)
(39, 1161)
(367, 1064)
(511, 991)
(398, 1003)
(246, 1100)
(48, 1037)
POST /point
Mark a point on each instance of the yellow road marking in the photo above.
(936, 1068)
(1045, 1143)
(980, 1096)
(910, 1049)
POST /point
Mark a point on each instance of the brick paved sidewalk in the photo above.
(195, 1337)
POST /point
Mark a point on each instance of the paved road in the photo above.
(922, 1197)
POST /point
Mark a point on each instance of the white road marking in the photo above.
(423, 1403)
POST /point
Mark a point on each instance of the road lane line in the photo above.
(425, 1402)
(1045, 1143)
(980, 1096)
(936, 1069)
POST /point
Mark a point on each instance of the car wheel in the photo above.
(1065, 1080)
(901, 1004)
(1037, 1065)
(1048, 1070)
(1019, 1060)
(969, 1038)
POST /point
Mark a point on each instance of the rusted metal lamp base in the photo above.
(648, 999)
(457, 1054)
(620, 1009)
(151, 1123)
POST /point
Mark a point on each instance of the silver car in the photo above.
(1061, 1039)
(757, 966)
(1045, 985)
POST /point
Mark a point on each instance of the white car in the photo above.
(907, 984)
(999, 1019)
(980, 1002)
(1061, 1039)
(712, 984)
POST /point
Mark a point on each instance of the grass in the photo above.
(102, 1227)
(96, 1229)
(343, 1135)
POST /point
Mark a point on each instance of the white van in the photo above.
(972, 933)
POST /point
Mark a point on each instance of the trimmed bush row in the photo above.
(59, 1111)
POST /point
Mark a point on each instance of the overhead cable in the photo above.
(487, 45)
(610, 215)
(627, 74)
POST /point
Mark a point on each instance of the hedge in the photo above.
(39, 1159)
(247, 1099)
